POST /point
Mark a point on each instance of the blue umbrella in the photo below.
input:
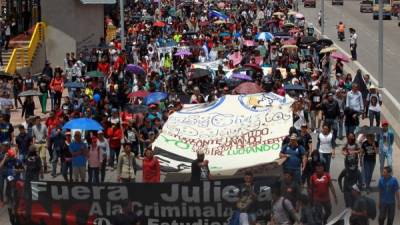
(155, 97)
(265, 36)
(220, 15)
(74, 85)
(237, 34)
(83, 124)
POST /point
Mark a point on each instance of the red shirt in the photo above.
(115, 136)
(320, 187)
(51, 123)
(104, 68)
(151, 170)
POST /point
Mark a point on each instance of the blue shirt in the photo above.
(79, 160)
(296, 157)
(10, 166)
(387, 190)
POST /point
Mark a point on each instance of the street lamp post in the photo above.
(122, 23)
(380, 45)
(322, 17)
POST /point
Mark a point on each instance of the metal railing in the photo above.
(23, 57)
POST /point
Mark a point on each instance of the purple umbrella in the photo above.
(241, 76)
(183, 53)
(135, 69)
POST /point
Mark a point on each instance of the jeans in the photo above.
(385, 155)
(386, 211)
(350, 129)
(348, 199)
(52, 100)
(66, 168)
(340, 130)
(353, 50)
(368, 170)
(93, 174)
(327, 206)
(374, 115)
(327, 159)
(103, 169)
(114, 154)
(54, 161)
(333, 123)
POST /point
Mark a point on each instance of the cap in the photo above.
(372, 87)
(330, 94)
(100, 132)
(293, 137)
(315, 88)
(355, 188)
(385, 123)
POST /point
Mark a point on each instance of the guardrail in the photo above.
(22, 57)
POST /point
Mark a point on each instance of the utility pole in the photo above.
(322, 17)
(122, 23)
(380, 44)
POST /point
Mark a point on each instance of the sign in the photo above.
(235, 132)
(54, 203)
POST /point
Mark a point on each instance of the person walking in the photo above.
(39, 135)
(369, 150)
(295, 158)
(359, 208)
(114, 134)
(331, 113)
(353, 43)
(320, 184)
(386, 141)
(326, 146)
(79, 152)
(151, 167)
(373, 106)
(57, 87)
(347, 178)
(95, 159)
(200, 170)
(126, 165)
(388, 196)
(283, 212)
(43, 84)
(56, 143)
(103, 145)
(354, 99)
(66, 158)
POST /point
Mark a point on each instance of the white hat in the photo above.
(372, 87)
(315, 88)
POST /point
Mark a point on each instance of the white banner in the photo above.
(235, 132)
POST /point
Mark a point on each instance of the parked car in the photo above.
(366, 6)
(309, 3)
(337, 2)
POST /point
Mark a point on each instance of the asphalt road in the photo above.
(367, 30)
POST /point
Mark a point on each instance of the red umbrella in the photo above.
(256, 67)
(248, 88)
(340, 56)
(159, 24)
(140, 94)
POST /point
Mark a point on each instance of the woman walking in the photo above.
(95, 159)
(104, 147)
(151, 167)
(57, 87)
(326, 146)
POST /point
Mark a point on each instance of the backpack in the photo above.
(371, 207)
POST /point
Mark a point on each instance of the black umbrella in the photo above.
(197, 73)
(137, 109)
(369, 130)
(294, 87)
(5, 75)
(29, 93)
(308, 40)
(325, 42)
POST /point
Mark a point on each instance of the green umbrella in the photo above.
(94, 74)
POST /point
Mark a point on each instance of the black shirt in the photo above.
(331, 109)
(199, 173)
(369, 152)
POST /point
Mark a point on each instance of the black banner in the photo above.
(209, 203)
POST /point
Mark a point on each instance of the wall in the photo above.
(71, 25)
